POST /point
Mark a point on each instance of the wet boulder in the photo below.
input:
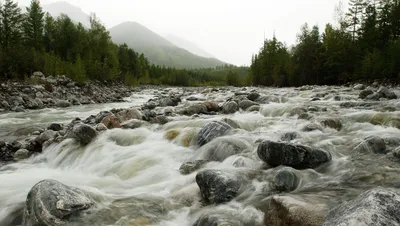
(133, 124)
(253, 96)
(296, 156)
(230, 107)
(211, 106)
(211, 131)
(286, 180)
(128, 114)
(365, 93)
(221, 148)
(297, 111)
(50, 202)
(197, 108)
(374, 96)
(333, 123)
(311, 127)
(289, 136)
(245, 104)
(160, 119)
(378, 206)
(111, 121)
(45, 136)
(63, 104)
(254, 108)
(55, 127)
(372, 144)
(386, 93)
(359, 87)
(396, 152)
(101, 127)
(22, 154)
(83, 133)
(217, 186)
(217, 220)
(190, 167)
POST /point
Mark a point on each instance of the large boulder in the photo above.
(378, 206)
(128, 114)
(372, 144)
(365, 93)
(333, 123)
(396, 153)
(83, 133)
(211, 131)
(211, 106)
(45, 136)
(245, 104)
(55, 127)
(218, 186)
(22, 154)
(230, 107)
(286, 180)
(63, 104)
(50, 202)
(386, 93)
(111, 121)
(197, 108)
(133, 124)
(296, 156)
(359, 87)
(253, 96)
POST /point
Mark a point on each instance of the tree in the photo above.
(355, 16)
(11, 24)
(33, 25)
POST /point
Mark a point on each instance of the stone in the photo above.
(230, 107)
(253, 96)
(359, 87)
(304, 116)
(296, 156)
(45, 136)
(290, 211)
(289, 136)
(386, 93)
(70, 85)
(286, 180)
(372, 144)
(190, 167)
(379, 206)
(5, 104)
(83, 133)
(333, 123)
(396, 152)
(245, 104)
(211, 131)
(101, 127)
(63, 104)
(160, 119)
(22, 154)
(111, 121)
(55, 127)
(232, 123)
(133, 124)
(211, 106)
(217, 186)
(374, 96)
(297, 111)
(365, 93)
(50, 202)
(197, 108)
(128, 114)
(254, 108)
(222, 147)
(311, 127)
(172, 134)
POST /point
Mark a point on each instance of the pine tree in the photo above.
(355, 16)
(33, 25)
(49, 33)
(11, 24)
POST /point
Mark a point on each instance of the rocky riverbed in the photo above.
(207, 156)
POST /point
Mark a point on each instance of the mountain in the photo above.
(189, 46)
(75, 13)
(157, 49)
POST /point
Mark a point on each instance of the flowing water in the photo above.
(134, 174)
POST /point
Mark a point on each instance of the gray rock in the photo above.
(374, 96)
(219, 187)
(230, 107)
(296, 156)
(396, 153)
(197, 108)
(101, 127)
(34, 104)
(365, 93)
(297, 111)
(39, 95)
(289, 136)
(159, 119)
(50, 202)
(304, 116)
(55, 127)
(386, 93)
(18, 109)
(63, 104)
(311, 127)
(359, 87)
(190, 167)
(83, 133)
(378, 206)
(254, 108)
(372, 144)
(231, 122)
(45, 136)
(38, 74)
(213, 219)
(71, 85)
(211, 131)
(332, 123)
(21, 154)
(5, 104)
(221, 148)
(245, 104)
(133, 124)
(211, 106)
(253, 96)
(286, 180)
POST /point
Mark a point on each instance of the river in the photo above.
(140, 168)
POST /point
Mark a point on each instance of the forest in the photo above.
(364, 46)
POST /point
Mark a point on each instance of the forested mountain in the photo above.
(366, 46)
(75, 13)
(158, 50)
(188, 45)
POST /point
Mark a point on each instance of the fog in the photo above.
(231, 30)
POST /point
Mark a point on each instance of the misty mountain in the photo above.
(188, 45)
(75, 13)
(157, 49)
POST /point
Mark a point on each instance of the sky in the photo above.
(230, 30)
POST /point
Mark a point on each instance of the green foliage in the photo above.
(33, 25)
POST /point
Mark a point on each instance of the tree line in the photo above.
(364, 46)
(35, 41)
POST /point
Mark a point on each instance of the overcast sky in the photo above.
(231, 30)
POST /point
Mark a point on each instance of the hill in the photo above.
(188, 45)
(75, 13)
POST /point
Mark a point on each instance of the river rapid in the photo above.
(134, 176)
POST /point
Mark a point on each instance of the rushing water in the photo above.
(134, 174)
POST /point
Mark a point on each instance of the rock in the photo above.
(83, 133)
(286, 180)
(231, 122)
(211, 106)
(50, 202)
(74, 101)
(230, 107)
(332, 123)
(197, 108)
(304, 116)
(34, 104)
(254, 108)
(172, 134)
(101, 127)
(378, 206)
(290, 211)
(396, 153)
(315, 99)
(311, 127)
(386, 93)
(39, 95)
(245, 104)
(160, 119)
(211, 131)
(38, 74)
(18, 109)
(133, 124)
(222, 147)
(365, 93)
(63, 104)
(296, 156)
(5, 104)
(359, 87)
(217, 220)
(289, 136)
(21, 154)
(297, 111)
(253, 96)
(168, 111)
(374, 96)
(45, 136)
(55, 127)
(219, 187)
(111, 121)
(71, 85)
(128, 114)
(190, 167)
(14, 146)
(372, 144)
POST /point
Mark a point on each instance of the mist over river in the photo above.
(134, 175)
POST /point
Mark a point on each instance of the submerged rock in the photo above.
(386, 93)
(211, 131)
(245, 104)
(253, 96)
(286, 180)
(289, 136)
(332, 123)
(230, 107)
(378, 206)
(190, 167)
(372, 144)
(133, 124)
(50, 202)
(221, 148)
(296, 156)
(365, 93)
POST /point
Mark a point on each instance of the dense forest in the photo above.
(35, 41)
(364, 46)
